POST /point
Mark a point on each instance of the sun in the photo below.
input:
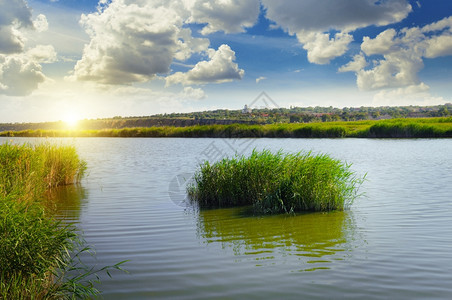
(71, 119)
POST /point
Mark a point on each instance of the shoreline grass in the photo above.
(27, 171)
(276, 183)
(392, 128)
(36, 251)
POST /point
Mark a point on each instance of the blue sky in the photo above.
(77, 59)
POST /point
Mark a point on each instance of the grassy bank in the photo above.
(34, 248)
(275, 183)
(27, 171)
(394, 128)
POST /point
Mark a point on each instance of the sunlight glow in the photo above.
(71, 119)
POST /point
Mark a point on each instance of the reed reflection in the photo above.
(65, 202)
(314, 238)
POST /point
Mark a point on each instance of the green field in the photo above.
(393, 128)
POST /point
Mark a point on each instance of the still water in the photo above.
(394, 242)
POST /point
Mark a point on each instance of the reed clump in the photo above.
(27, 171)
(276, 183)
(35, 249)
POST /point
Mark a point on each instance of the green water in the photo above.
(315, 238)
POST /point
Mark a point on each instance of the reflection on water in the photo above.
(65, 202)
(316, 238)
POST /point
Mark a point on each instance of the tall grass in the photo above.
(32, 247)
(27, 171)
(36, 250)
(275, 183)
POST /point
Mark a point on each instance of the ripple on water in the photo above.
(394, 243)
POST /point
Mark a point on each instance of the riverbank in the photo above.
(393, 128)
(36, 251)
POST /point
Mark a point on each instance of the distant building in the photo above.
(246, 110)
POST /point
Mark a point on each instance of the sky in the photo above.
(77, 59)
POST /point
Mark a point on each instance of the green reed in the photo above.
(27, 171)
(276, 182)
(37, 259)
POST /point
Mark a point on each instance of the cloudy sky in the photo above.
(63, 59)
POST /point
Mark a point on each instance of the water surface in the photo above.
(396, 242)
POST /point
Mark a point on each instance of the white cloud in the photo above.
(445, 23)
(311, 20)
(11, 40)
(358, 63)
(20, 74)
(14, 14)
(42, 54)
(403, 56)
(220, 68)
(439, 45)
(230, 16)
(321, 49)
(259, 79)
(190, 93)
(381, 44)
(410, 95)
(397, 69)
(40, 23)
(133, 42)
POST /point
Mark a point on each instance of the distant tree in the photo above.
(294, 119)
(326, 118)
(443, 111)
(376, 114)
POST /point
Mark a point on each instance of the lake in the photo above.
(394, 242)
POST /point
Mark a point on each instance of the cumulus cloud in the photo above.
(190, 93)
(403, 55)
(14, 14)
(311, 20)
(445, 23)
(343, 15)
(11, 41)
(219, 15)
(40, 23)
(358, 63)
(42, 54)
(20, 70)
(133, 42)
(395, 70)
(20, 74)
(128, 43)
(221, 67)
(439, 45)
(321, 49)
(382, 44)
